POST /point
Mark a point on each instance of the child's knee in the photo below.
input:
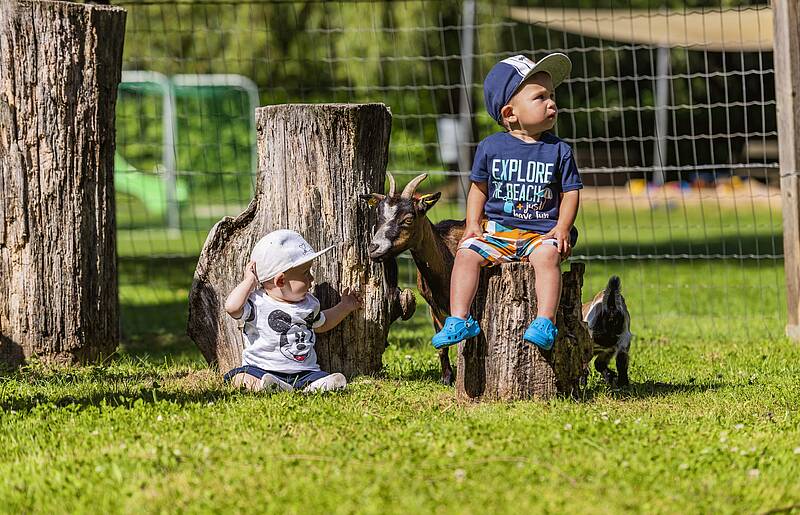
(545, 256)
(470, 256)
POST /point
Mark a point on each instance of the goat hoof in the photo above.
(610, 377)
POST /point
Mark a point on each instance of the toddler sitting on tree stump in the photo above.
(526, 184)
(281, 316)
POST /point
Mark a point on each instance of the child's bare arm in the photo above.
(234, 304)
(351, 301)
(566, 219)
(476, 202)
(569, 208)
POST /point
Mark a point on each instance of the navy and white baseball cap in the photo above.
(281, 250)
(505, 78)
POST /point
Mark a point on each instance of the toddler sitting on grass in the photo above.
(281, 318)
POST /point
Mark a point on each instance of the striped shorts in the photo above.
(500, 244)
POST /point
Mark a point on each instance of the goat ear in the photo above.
(425, 202)
(372, 198)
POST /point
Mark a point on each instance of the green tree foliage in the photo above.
(407, 55)
(390, 52)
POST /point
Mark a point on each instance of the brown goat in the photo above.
(402, 225)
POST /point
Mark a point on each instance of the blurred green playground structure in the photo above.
(166, 128)
(149, 188)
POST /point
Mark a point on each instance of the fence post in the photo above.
(60, 66)
(465, 135)
(787, 94)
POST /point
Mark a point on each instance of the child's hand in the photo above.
(250, 274)
(471, 231)
(561, 236)
(235, 301)
(351, 300)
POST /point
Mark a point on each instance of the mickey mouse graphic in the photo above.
(297, 340)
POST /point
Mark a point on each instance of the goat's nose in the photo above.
(372, 248)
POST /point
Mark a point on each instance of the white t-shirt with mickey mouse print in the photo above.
(279, 336)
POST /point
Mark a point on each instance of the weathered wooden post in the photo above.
(60, 64)
(497, 364)
(314, 161)
(786, 21)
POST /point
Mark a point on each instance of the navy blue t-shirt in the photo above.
(525, 180)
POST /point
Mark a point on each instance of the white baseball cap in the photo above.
(281, 250)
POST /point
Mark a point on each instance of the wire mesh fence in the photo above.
(671, 115)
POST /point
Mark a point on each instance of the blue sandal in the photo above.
(542, 333)
(455, 329)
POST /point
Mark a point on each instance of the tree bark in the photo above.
(60, 64)
(314, 161)
(498, 364)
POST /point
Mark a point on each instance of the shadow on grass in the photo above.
(401, 373)
(160, 347)
(110, 399)
(154, 325)
(645, 390)
(418, 360)
(99, 386)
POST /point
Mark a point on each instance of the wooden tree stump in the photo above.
(498, 364)
(60, 64)
(314, 161)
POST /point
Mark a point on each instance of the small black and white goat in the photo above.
(610, 328)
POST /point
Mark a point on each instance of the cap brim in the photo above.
(557, 65)
(311, 257)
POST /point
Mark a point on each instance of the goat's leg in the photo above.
(622, 368)
(601, 365)
(448, 377)
(584, 377)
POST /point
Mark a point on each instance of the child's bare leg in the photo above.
(464, 281)
(546, 263)
(245, 380)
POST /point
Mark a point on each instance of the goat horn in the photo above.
(391, 184)
(411, 187)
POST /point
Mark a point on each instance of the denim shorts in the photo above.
(298, 380)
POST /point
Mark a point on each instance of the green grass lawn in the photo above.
(710, 424)
(607, 228)
(707, 426)
(688, 270)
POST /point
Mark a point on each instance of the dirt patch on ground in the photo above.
(727, 193)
